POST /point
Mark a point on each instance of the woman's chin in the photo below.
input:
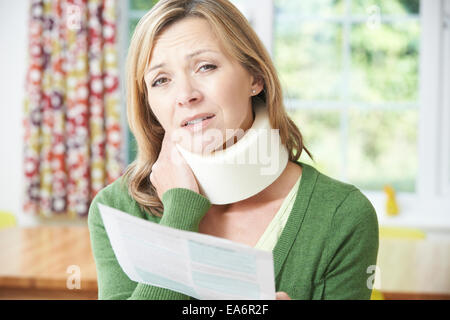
(209, 141)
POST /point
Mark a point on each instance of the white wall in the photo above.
(13, 36)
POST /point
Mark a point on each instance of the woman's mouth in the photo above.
(199, 124)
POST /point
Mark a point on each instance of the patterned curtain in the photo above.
(72, 128)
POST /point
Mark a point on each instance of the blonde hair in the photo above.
(241, 42)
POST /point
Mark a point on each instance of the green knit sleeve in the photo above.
(352, 248)
(183, 209)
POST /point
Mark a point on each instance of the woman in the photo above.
(191, 57)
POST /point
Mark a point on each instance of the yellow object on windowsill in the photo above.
(401, 233)
(7, 220)
(391, 202)
(376, 295)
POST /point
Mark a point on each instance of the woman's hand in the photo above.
(171, 170)
(281, 295)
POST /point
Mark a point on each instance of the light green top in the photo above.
(273, 231)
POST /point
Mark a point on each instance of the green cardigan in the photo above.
(324, 252)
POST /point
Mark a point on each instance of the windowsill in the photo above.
(433, 222)
(25, 220)
(430, 216)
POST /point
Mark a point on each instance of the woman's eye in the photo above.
(208, 66)
(163, 80)
(157, 82)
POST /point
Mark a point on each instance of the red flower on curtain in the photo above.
(72, 122)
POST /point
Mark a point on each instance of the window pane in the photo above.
(308, 8)
(140, 7)
(366, 147)
(308, 58)
(142, 4)
(385, 63)
(383, 148)
(392, 7)
(321, 135)
(132, 23)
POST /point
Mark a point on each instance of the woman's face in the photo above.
(191, 74)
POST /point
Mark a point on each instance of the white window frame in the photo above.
(429, 207)
(260, 15)
(433, 181)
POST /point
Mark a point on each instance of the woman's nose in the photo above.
(187, 93)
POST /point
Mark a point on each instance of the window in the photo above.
(364, 81)
(350, 72)
(134, 10)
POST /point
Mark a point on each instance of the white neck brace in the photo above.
(244, 169)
